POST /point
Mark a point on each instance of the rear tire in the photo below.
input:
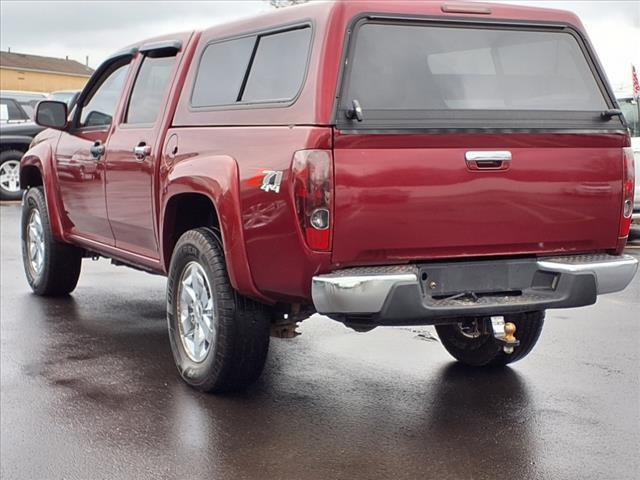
(485, 350)
(52, 268)
(9, 175)
(223, 347)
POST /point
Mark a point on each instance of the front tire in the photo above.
(219, 338)
(52, 268)
(472, 345)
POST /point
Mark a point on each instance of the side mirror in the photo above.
(51, 114)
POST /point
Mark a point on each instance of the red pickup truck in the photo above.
(381, 163)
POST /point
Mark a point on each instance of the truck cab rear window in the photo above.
(400, 67)
(258, 69)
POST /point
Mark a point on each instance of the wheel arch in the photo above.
(196, 210)
(30, 176)
(36, 170)
(204, 192)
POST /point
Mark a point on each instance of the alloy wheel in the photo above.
(10, 176)
(196, 312)
(35, 243)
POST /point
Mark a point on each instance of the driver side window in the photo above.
(99, 107)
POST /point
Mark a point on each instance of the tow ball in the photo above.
(505, 334)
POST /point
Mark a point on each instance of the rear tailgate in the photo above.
(437, 95)
(403, 197)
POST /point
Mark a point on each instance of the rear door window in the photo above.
(149, 89)
(426, 68)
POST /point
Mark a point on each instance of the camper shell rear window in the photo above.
(434, 74)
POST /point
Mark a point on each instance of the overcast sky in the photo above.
(97, 28)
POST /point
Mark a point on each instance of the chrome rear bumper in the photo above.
(612, 273)
(412, 294)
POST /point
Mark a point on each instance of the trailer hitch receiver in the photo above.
(504, 333)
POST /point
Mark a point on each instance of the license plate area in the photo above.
(484, 278)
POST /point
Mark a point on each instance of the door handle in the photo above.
(97, 149)
(483, 160)
(142, 150)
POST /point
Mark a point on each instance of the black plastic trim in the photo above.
(245, 79)
(394, 130)
(404, 307)
(166, 48)
(121, 58)
(126, 52)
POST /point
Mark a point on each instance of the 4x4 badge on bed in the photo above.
(271, 181)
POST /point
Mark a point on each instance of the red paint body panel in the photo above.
(260, 229)
(130, 183)
(81, 183)
(40, 157)
(129, 191)
(397, 197)
(214, 177)
(402, 198)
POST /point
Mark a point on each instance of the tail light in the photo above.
(312, 172)
(628, 180)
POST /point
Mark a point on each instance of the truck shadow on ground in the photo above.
(109, 374)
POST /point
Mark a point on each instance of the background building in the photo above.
(19, 71)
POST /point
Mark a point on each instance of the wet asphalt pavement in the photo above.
(89, 391)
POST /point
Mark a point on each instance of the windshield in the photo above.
(629, 108)
(424, 67)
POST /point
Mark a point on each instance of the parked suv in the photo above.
(16, 131)
(12, 112)
(26, 100)
(381, 163)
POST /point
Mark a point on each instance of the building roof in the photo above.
(23, 61)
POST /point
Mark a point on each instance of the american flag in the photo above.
(636, 85)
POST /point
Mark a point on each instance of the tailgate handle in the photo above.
(483, 160)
